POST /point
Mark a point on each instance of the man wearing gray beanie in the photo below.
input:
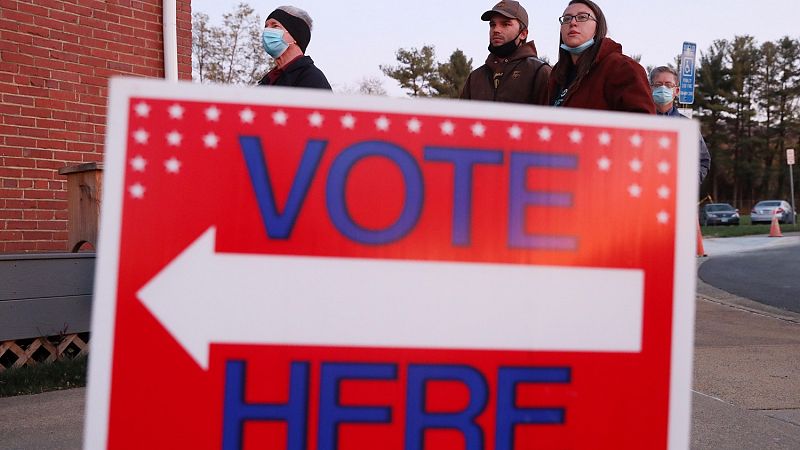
(286, 35)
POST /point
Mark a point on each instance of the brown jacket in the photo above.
(615, 82)
(521, 78)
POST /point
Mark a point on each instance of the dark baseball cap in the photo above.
(510, 9)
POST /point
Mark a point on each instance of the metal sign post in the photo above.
(790, 162)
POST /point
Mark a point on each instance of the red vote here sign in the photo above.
(293, 269)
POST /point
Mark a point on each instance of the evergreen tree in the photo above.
(787, 95)
(453, 74)
(748, 97)
(711, 97)
(416, 72)
(743, 63)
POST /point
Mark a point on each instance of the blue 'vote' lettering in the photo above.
(279, 225)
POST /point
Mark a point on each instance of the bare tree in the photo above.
(371, 86)
(203, 64)
(230, 53)
(366, 86)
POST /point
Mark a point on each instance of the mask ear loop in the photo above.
(520, 34)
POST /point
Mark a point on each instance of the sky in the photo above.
(352, 38)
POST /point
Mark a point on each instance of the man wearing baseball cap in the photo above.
(286, 35)
(513, 72)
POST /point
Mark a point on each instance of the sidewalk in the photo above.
(49, 421)
(746, 385)
(746, 374)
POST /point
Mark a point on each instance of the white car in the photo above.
(764, 210)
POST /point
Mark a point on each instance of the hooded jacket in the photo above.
(614, 82)
(520, 78)
(299, 73)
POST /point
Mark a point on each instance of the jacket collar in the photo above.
(526, 50)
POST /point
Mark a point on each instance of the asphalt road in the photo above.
(769, 275)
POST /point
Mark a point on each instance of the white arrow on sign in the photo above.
(203, 297)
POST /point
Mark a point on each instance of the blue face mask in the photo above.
(272, 40)
(662, 95)
(579, 49)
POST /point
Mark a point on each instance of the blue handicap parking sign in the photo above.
(687, 73)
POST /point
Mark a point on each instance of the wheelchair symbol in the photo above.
(688, 67)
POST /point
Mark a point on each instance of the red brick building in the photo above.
(56, 57)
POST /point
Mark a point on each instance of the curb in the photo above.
(710, 293)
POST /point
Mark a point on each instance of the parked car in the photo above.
(719, 214)
(764, 210)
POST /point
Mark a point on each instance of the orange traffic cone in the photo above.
(775, 228)
(700, 250)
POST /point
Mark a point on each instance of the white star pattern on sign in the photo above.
(176, 111)
(663, 217)
(575, 136)
(636, 140)
(604, 138)
(211, 140)
(663, 192)
(315, 119)
(382, 123)
(635, 190)
(138, 164)
(413, 125)
(545, 134)
(348, 121)
(663, 167)
(447, 128)
(515, 132)
(279, 117)
(247, 115)
(604, 164)
(664, 142)
(141, 136)
(635, 165)
(212, 114)
(142, 109)
(137, 191)
(172, 165)
(174, 138)
(478, 129)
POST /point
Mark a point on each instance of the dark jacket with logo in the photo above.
(615, 82)
(299, 73)
(520, 78)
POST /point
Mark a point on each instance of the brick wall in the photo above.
(56, 57)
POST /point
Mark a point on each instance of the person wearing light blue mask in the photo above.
(591, 71)
(285, 38)
(273, 43)
(664, 83)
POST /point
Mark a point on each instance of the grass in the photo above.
(43, 377)
(745, 228)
